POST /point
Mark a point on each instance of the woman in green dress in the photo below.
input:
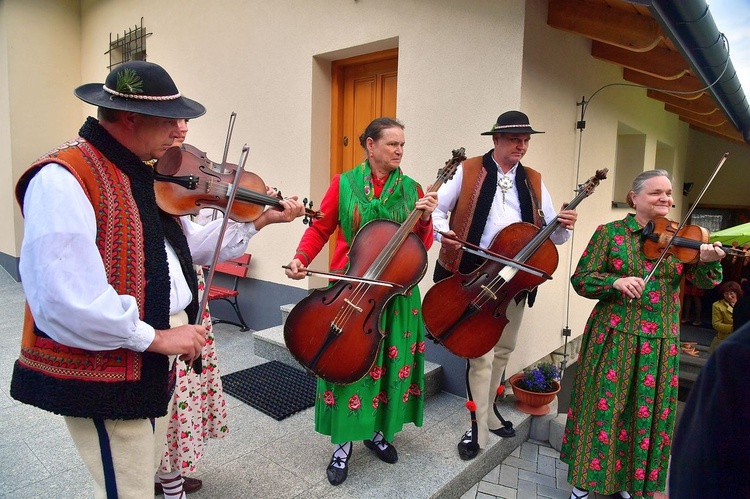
(377, 406)
(621, 418)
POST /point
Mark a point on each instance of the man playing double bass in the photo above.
(487, 194)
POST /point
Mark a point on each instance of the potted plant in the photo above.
(536, 387)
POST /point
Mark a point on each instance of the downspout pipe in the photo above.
(692, 29)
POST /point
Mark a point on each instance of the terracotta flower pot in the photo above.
(533, 403)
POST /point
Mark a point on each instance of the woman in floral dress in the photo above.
(376, 407)
(198, 409)
(619, 430)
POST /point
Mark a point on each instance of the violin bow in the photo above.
(198, 363)
(485, 253)
(686, 218)
(342, 277)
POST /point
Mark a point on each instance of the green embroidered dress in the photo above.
(392, 394)
(621, 417)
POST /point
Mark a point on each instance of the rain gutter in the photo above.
(690, 26)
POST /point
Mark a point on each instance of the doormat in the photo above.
(274, 388)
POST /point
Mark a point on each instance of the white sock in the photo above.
(624, 495)
(171, 483)
(579, 493)
(379, 440)
(342, 451)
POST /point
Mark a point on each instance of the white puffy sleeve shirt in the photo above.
(63, 274)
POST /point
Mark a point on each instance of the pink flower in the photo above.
(603, 438)
(602, 405)
(375, 402)
(355, 403)
(403, 373)
(665, 440)
(654, 296)
(623, 436)
(672, 350)
(617, 263)
(650, 381)
(614, 320)
(665, 413)
(413, 348)
(406, 396)
(653, 474)
(328, 398)
(415, 390)
(619, 239)
(640, 474)
(595, 465)
(645, 443)
(611, 375)
(600, 339)
(421, 347)
(383, 397)
(649, 327)
(376, 372)
(675, 381)
(618, 465)
(392, 352)
(646, 348)
(643, 412)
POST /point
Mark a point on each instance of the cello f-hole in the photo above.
(336, 296)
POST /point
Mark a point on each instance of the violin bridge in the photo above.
(358, 309)
(489, 291)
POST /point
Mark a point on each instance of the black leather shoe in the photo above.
(336, 475)
(467, 449)
(506, 431)
(388, 455)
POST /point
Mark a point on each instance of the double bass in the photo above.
(335, 332)
(466, 312)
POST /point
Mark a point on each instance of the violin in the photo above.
(187, 181)
(685, 242)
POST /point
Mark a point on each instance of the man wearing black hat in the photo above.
(109, 280)
(487, 194)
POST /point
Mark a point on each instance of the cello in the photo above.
(466, 312)
(335, 332)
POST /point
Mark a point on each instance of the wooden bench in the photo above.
(237, 267)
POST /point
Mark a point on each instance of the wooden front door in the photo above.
(363, 88)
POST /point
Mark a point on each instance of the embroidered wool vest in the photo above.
(113, 384)
(469, 216)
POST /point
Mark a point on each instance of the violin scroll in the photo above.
(591, 184)
(446, 173)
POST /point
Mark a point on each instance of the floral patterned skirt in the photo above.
(392, 394)
(621, 418)
(198, 407)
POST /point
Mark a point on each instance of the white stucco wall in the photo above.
(270, 63)
(39, 67)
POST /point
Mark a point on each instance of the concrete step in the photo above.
(269, 344)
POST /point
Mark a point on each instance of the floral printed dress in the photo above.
(621, 418)
(198, 406)
(392, 394)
